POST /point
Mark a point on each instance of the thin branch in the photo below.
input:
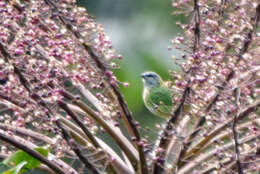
(225, 135)
(76, 149)
(27, 132)
(81, 125)
(223, 4)
(78, 135)
(213, 167)
(126, 111)
(33, 153)
(235, 134)
(4, 53)
(196, 147)
(197, 26)
(247, 155)
(257, 19)
(128, 149)
(165, 137)
(127, 117)
(187, 142)
(11, 100)
(242, 51)
(91, 98)
(27, 86)
(165, 140)
(195, 131)
(24, 81)
(192, 164)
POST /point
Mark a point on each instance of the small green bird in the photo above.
(156, 95)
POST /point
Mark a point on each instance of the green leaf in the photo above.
(16, 169)
(20, 156)
(3, 167)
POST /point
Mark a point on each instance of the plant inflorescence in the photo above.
(58, 90)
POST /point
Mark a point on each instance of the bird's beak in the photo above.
(142, 75)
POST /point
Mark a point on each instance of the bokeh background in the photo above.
(140, 31)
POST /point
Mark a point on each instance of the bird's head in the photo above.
(151, 80)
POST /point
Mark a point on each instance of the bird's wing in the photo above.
(161, 101)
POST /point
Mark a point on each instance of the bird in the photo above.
(157, 96)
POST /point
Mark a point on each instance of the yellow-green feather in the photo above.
(159, 101)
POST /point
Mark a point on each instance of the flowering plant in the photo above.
(57, 90)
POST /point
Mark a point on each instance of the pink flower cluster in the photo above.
(44, 41)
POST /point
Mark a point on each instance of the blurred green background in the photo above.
(141, 32)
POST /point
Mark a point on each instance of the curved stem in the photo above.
(121, 140)
(78, 135)
(33, 153)
(27, 132)
(192, 164)
(193, 151)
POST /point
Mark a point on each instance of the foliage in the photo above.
(58, 90)
(16, 169)
(21, 161)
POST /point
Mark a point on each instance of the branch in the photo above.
(76, 149)
(193, 151)
(242, 51)
(127, 117)
(197, 25)
(194, 163)
(248, 156)
(27, 132)
(86, 132)
(235, 134)
(187, 142)
(77, 134)
(128, 149)
(165, 137)
(81, 125)
(38, 99)
(91, 138)
(11, 100)
(26, 85)
(223, 4)
(213, 167)
(126, 111)
(226, 134)
(33, 153)
(257, 19)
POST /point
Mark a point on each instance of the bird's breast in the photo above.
(145, 93)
